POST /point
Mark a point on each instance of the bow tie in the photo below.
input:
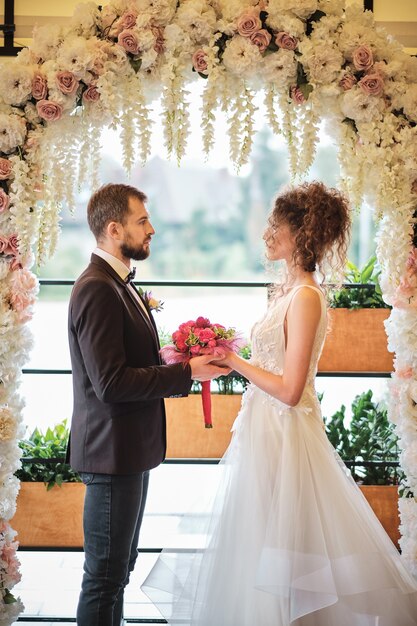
(130, 276)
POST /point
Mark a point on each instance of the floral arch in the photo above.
(313, 60)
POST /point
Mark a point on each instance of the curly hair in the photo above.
(319, 219)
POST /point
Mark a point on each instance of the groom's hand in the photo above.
(202, 369)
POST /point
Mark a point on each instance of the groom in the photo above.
(118, 430)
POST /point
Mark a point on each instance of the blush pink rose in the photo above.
(199, 61)
(91, 94)
(13, 245)
(249, 23)
(362, 58)
(66, 82)
(372, 84)
(49, 110)
(405, 372)
(8, 245)
(39, 87)
(126, 21)
(5, 169)
(261, 39)
(297, 95)
(286, 41)
(128, 41)
(4, 201)
(347, 82)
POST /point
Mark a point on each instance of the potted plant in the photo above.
(369, 446)
(51, 495)
(357, 341)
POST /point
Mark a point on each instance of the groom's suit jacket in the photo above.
(118, 423)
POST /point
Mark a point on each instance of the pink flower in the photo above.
(195, 349)
(286, 41)
(414, 186)
(363, 58)
(126, 21)
(4, 201)
(404, 372)
(297, 95)
(411, 263)
(407, 286)
(249, 23)
(128, 40)
(347, 82)
(206, 334)
(5, 169)
(8, 245)
(91, 94)
(39, 87)
(261, 39)
(199, 61)
(66, 82)
(23, 291)
(202, 322)
(159, 46)
(48, 110)
(372, 84)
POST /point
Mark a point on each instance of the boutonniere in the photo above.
(153, 303)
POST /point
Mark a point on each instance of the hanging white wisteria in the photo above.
(313, 59)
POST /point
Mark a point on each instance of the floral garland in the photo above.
(313, 59)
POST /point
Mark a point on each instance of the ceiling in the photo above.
(399, 18)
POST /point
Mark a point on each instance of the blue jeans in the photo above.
(113, 512)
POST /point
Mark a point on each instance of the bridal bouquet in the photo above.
(198, 337)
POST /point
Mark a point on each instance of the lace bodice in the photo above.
(268, 338)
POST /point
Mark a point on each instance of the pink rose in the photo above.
(48, 110)
(286, 41)
(414, 186)
(39, 87)
(126, 21)
(347, 82)
(297, 95)
(4, 201)
(195, 349)
(91, 94)
(8, 245)
(206, 335)
(66, 82)
(23, 290)
(5, 169)
(249, 23)
(128, 40)
(159, 45)
(404, 372)
(362, 58)
(261, 39)
(372, 84)
(13, 245)
(199, 61)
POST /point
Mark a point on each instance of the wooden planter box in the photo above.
(356, 342)
(54, 518)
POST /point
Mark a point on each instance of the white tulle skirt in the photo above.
(290, 537)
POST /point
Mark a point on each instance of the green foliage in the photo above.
(369, 297)
(43, 446)
(370, 437)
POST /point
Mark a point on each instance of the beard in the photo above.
(137, 253)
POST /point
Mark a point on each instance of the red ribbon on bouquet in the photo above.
(195, 338)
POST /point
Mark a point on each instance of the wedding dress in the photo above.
(290, 537)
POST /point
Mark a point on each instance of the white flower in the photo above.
(16, 83)
(241, 57)
(300, 8)
(230, 10)
(85, 18)
(76, 55)
(409, 102)
(162, 11)
(198, 19)
(286, 22)
(46, 40)
(280, 67)
(331, 7)
(12, 132)
(322, 61)
(362, 108)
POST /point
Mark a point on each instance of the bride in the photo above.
(291, 539)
